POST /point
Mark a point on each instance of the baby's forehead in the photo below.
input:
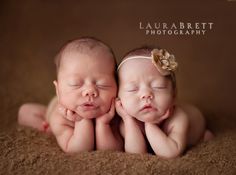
(86, 64)
(91, 52)
(97, 56)
(83, 47)
(139, 68)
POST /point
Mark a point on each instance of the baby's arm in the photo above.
(72, 136)
(172, 142)
(106, 138)
(130, 130)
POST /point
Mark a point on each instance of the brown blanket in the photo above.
(25, 151)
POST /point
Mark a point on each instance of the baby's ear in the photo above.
(56, 87)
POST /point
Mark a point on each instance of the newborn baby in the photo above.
(149, 109)
(85, 88)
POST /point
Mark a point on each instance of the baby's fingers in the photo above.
(112, 109)
(70, 115)
(73, 116)
(62, 110)
(119, 108)
(77, 117)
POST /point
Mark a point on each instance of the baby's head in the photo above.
(86, 82)
(147, 86)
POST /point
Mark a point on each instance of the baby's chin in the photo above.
(89, 114)
(147, 118)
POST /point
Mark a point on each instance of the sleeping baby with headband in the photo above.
(147, 104)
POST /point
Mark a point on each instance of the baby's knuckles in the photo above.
(107, 117)
(122, 113)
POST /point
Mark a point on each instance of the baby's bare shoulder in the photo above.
(178, 115)
(57, 122)
(193, 113)
(178, 120)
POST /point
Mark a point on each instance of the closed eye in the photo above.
(101, 86)
(132, 90)
(159, 87)
(74, 85)
(131, 87)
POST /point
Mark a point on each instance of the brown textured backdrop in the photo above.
(31, 32)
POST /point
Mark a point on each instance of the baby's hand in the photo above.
(68, 114)
(107, 117)
(121, 111)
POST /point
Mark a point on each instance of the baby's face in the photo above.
(145, 94)
(86, 83)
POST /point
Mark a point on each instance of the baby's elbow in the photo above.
(70, 151)
(170, 154)
(174, 154)
(64, 145)
(65, 148)
(74, 151)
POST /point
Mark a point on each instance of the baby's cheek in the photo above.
(105, 106)
(105, 102)
(68, 101)
(165, 101)
(130, 105)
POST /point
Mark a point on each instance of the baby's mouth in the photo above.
(148, 107)
(88, 106)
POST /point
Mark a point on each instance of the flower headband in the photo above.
(162, 60)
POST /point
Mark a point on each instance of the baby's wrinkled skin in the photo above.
(148, 108)
(86, 89)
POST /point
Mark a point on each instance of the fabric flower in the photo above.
(163, 61)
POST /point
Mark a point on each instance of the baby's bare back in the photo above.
(194, 118)
(196, 124)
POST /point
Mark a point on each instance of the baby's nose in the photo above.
(90, 92)
(146, 94)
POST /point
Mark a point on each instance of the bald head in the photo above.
(86, 46)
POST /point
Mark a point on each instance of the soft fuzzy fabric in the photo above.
(24, 151)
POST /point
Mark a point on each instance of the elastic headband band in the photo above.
(131, 58)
